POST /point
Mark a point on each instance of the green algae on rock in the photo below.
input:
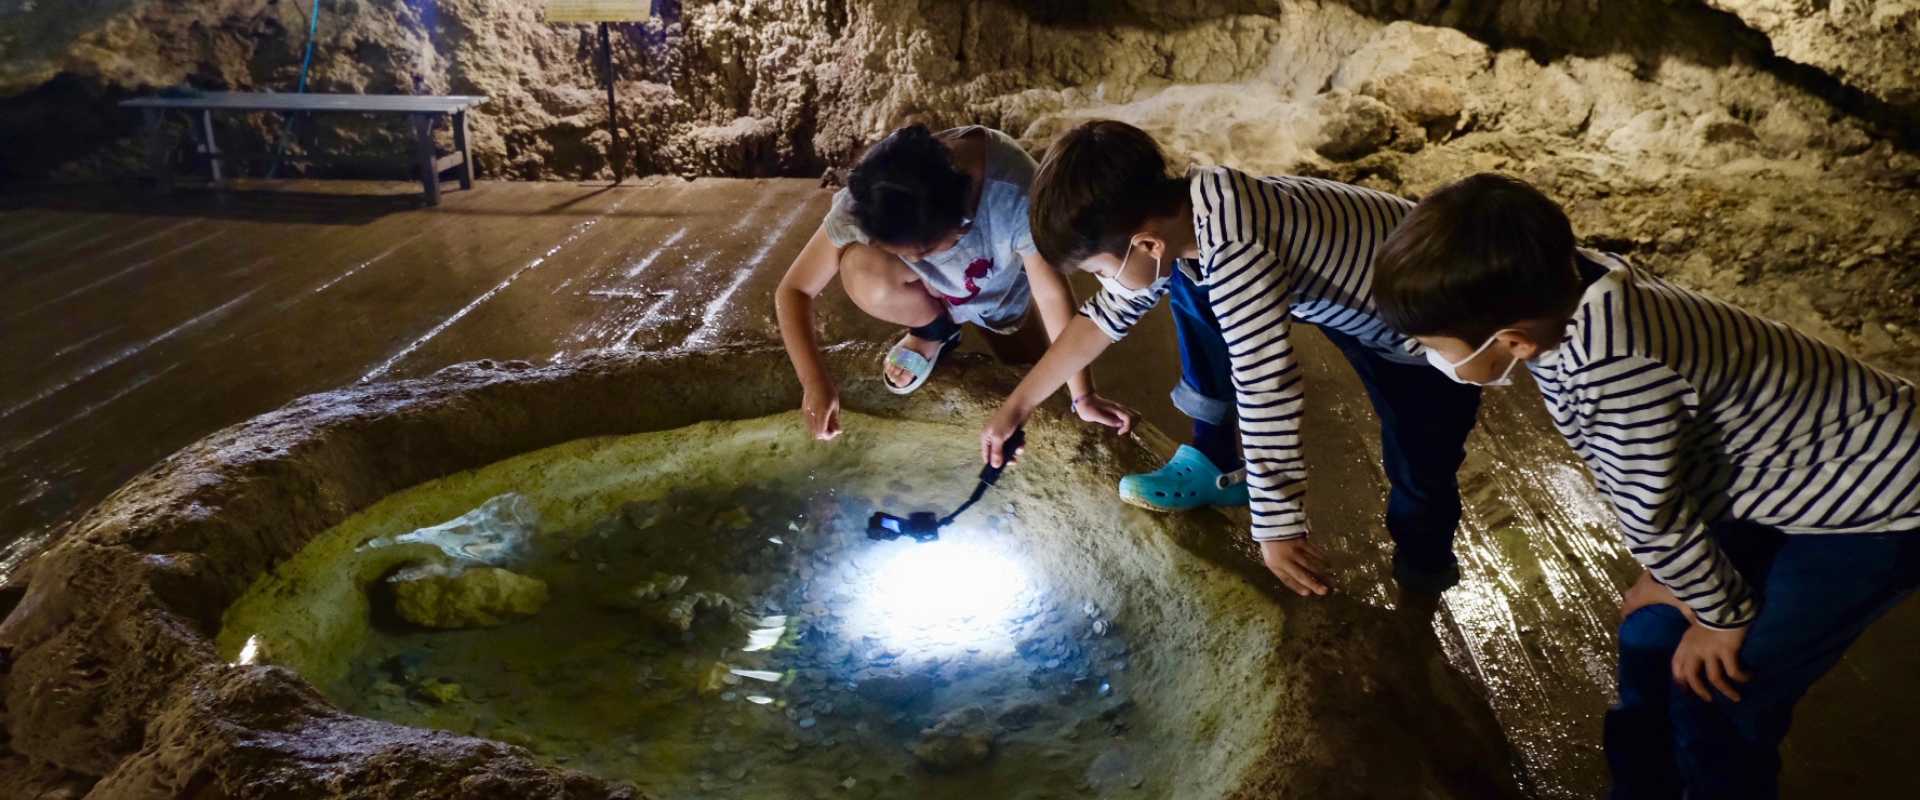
(477, 597)
(1246, 693)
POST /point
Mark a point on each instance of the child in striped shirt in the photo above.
(1246, 258)
(1768, 482)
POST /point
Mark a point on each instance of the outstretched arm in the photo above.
(812, 270)
(1074, 351)
(1255, 288)
(1053, 297)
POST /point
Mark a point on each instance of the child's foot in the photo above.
(927, 348)
(1188, 481)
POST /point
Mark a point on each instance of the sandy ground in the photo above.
(136, 325)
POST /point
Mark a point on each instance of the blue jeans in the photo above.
(1424, 421)
(1818, 593)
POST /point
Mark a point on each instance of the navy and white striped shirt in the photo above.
(1691, 412)
(1273, 250)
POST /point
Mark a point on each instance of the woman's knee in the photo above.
(881, 285)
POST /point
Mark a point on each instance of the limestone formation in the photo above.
(113, 678)
(1872, 46)
(477, 597)
(960, 739)
(1634, 111)
(742, 87)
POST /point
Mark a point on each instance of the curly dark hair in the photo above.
(906, 190)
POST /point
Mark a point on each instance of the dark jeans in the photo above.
(1818, 593)
(1424, 421)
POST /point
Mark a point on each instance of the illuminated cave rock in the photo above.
(1757, 150)
(115, 676)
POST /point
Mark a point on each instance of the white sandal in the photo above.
(915, 364)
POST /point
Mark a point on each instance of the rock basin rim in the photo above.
(114, 688)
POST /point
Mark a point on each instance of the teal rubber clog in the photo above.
(1188, 481)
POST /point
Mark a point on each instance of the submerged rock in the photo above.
(637, 596)
(959, 740)
(737, 520)
(690, 608)
(440, 691)
(716, 678)
(481, 597)
(1022, 715)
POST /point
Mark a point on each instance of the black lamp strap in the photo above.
(978, 491)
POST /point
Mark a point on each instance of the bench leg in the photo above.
(429, 174)
(157, 149)
(212, 147)
(466, 152)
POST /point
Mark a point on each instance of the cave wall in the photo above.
(1760, 150)
(759, 87)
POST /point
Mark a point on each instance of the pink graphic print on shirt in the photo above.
(978, 269)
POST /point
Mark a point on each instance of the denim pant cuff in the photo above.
(1199, 406)
(1425, 579)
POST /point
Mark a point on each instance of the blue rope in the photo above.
(313, 28)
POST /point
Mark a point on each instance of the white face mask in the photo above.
(1114, 286)
(1450, 368)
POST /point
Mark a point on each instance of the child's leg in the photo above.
(1205, 392)
(1424, 422)
(883, 286)
(1197, 476)
(1818, 592)
(1639, 730)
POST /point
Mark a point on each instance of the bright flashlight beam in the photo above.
(941, 598)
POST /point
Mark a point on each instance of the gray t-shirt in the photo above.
(982, 277)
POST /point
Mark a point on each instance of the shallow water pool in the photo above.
(719, 625)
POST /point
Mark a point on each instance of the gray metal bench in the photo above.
(422, 109)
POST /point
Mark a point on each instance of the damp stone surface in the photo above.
(722, 626)
(226, 624)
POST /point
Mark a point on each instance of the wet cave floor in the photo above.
(152, 320)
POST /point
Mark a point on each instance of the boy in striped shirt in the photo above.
(1768, 482)
(1246, 257)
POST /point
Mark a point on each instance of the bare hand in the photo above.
(1300, 564)
(1649, 592)
(1710, 657)
(998, 431)
(821, 409)
(1101, 411)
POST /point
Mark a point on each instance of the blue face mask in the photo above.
(1450, 368)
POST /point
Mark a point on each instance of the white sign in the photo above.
(599, 10)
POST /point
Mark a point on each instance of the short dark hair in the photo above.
(1476, 256)
(1098, 184)
(906, 190)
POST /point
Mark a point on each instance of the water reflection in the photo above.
(961, 596)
